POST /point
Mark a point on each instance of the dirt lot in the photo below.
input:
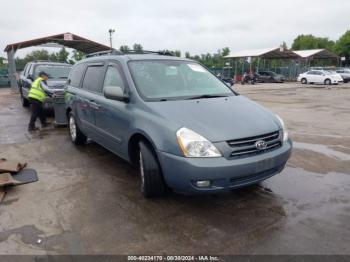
(88, 201)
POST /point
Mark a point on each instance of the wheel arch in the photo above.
(133, 145)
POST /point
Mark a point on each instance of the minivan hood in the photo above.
(218, 119)
(56, 83)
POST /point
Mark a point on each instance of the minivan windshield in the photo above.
(175, 80)
(53, 71)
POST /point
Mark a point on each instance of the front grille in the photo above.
(246, 146)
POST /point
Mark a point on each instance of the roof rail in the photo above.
(164, 52)
(116, 52)
(107, 52)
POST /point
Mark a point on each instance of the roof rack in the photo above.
(164, 52)
(107, 52)
(116, 52)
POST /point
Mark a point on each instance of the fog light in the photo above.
(203, 183)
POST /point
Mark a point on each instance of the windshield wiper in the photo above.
(205, 96)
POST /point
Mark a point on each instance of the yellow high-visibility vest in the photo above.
(36, 91)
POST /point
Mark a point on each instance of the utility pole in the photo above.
(111, 31)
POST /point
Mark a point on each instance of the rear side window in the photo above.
(92, 79)
(76, 74)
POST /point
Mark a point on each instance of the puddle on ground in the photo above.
(322, 149)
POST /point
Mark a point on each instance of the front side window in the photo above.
(113, 77)
(176, 80)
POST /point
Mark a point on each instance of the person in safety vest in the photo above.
(37, 95)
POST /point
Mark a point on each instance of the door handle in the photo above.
(93, 104)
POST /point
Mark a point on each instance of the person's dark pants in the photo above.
(37, 111)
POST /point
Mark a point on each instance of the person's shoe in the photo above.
(32, 128)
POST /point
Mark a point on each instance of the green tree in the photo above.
(303, 42)
(77, 55)
(137, 48)
(124, 49)
(342, 46)
(62, 55)
(188, 55)
(284, 45)
(225, 51)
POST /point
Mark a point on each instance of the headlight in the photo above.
(284, 128)
(194, 145)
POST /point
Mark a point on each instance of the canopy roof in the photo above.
(269, 53)
(316, 53)
(66, 39)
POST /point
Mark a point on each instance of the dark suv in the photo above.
(58, 74)
(183, 127)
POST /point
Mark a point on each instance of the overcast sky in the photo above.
(197, 26)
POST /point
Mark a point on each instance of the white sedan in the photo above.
(320, 77)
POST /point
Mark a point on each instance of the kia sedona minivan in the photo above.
(178, 123)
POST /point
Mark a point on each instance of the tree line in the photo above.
(212, 60)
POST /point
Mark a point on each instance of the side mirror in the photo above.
(30, 77)
(115, 93)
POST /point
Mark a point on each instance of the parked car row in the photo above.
(320, 77)
(58, 74)
(4, 78)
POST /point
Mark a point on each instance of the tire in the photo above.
(327, 81)
(152, 183)
(75, 133)
(304, 81)
(24, 101)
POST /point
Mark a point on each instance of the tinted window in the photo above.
(311, 73)
(76, 74)
(92, 79)
(113, 77)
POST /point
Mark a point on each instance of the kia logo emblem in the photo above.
(261, 144)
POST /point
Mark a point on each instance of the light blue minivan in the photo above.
(177, 122)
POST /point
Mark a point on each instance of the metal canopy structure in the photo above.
(266, 53)
(66, 39)
(316, 54)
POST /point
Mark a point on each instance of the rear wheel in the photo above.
(304, 81)
(75, 134)
(327, 82)
(152, 183)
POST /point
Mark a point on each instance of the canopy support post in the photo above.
(11, 66)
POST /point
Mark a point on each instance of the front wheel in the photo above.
(75, 134)
(152, 184)
(304, 81)
(327, 82)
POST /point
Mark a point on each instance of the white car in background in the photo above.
(320, 77)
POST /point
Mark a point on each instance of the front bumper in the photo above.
(224, 174)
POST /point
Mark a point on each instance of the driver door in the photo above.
(112, 118)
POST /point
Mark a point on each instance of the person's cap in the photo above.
(42, 73)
